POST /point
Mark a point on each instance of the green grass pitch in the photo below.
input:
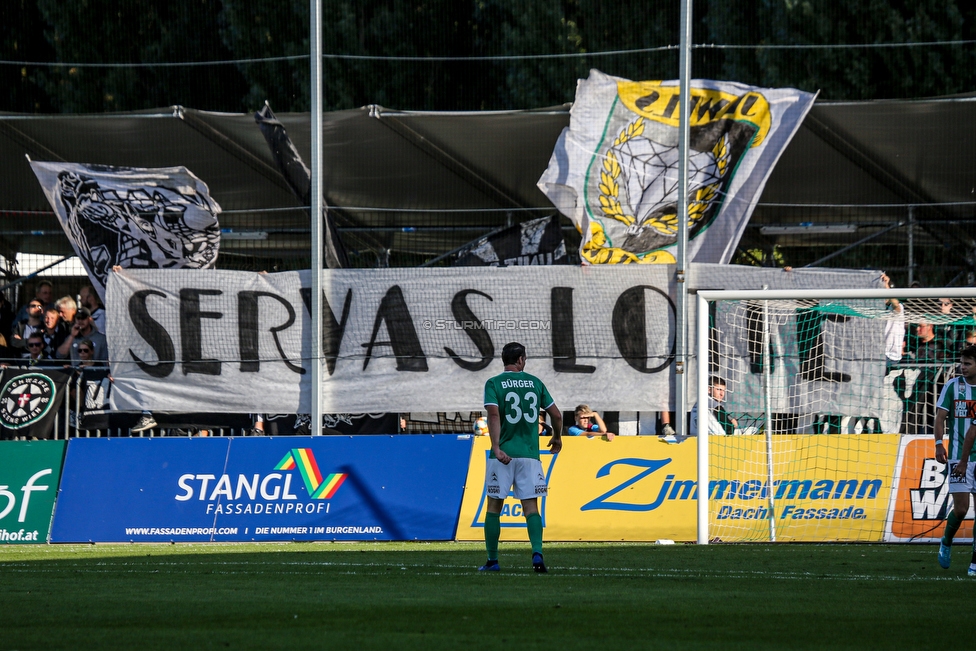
(429, 596)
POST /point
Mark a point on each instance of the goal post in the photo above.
(801, 366)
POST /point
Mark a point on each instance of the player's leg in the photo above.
(971, 480)
(959, 490)
(533, 522)
(972, 560)
(498, 482)
(529, 486)
(493, 531)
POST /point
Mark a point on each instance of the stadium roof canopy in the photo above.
(425, 183)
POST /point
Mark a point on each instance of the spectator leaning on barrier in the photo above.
(86, 354)
(720, 423)
(588, 423)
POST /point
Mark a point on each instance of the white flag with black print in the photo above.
(133, 217)
(614, 171)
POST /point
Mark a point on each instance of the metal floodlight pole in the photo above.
(767, 361)
(682, 267)
(315, 334)
(702, 451)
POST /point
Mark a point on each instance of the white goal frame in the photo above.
(702, 352)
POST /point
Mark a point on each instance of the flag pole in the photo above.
(682, 263)
(683, 269)
(315, 343)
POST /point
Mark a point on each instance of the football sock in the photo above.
(533, 523)
(493, 529)
(952, 526)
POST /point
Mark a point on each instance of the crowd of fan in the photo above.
(54, 333)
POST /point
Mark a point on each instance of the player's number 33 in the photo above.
(515, 412)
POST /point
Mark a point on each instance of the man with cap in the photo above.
(83, 328)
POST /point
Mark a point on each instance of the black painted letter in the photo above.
(331, 329)
(191, 332)
(630, 329)
(403, 337)
(247, 331)
(563, 335)
(464, 317)
(154, 333)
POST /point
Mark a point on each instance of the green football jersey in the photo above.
(958, 398)
(519, 398)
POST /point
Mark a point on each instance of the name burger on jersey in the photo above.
(270, 494)
(517, 384)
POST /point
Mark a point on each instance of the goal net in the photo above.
(811, 395)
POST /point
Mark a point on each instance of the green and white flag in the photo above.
(614, 171)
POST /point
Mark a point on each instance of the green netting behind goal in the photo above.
(808, 400)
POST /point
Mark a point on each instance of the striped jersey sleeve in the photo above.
(958, 397)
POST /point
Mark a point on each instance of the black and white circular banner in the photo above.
(26, 399)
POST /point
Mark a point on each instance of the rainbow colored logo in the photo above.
(304, 460)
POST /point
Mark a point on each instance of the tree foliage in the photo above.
(441, 49)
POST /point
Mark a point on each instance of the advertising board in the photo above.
(262, 488)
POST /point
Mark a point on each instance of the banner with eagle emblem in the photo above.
(614, 170)
(132, 217)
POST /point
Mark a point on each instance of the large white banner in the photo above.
(614, 170)
(401, 340)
